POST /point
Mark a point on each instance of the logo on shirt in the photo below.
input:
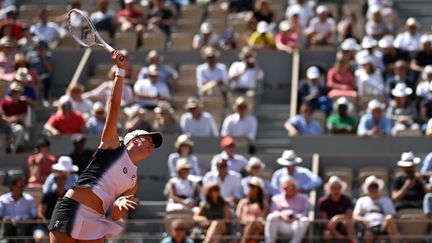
(133, 176)
(125, 170)
(56, 224)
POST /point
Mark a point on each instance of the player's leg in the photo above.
(60, 237)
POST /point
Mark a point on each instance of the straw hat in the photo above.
(285, 25)
(386, 42)
(408, 159)
(153, 54)
(206, 28)
(240, 101)
(153, 70)
(182, 163)
(192, 102)
(401, 90)
(256, 181)
(98, 106)
(246, 51)
(210, 52)
(163, 107)
(15, 86)
(22, 75)
(183, 140)
(335, 180)
(289, 158)
(254, 161)
(64, 163)
(350, 44)
(372, 180)
(412, 22)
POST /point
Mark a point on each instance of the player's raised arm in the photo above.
(109, 139)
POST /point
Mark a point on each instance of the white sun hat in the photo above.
(288, 158)
(408, 159)
(64, 163)
(372, 180)
(368, 42)
(335, 180)
(401, 90)
(350, 44)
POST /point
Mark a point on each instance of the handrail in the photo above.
(294, 82)
(80, 67)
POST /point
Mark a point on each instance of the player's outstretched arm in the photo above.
(109, 139)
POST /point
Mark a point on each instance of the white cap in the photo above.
(97, 106)
(253, 161)
(206, 28)
(368, 42)
(256, 181)
(129, 1)
(156, 137)
(322, 9)
(262, 27)
(342, 101)
(386, 42)
(64, 163)
(375, 104)
(350, 44)
(284, 25)
(401, 90)
(408, 159)
(313, 72)
(372, 180)
(363, 59)
(425, 38)
(412, 22)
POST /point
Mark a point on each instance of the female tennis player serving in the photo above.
(106, 188)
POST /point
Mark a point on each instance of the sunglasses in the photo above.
(179, 229)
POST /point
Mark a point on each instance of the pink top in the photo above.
(248, 212)
(299, 204)
(345, 78)
(291, 40)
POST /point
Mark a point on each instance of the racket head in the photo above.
(81, 28)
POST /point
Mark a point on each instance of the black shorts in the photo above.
(63, 217)
(378, 230)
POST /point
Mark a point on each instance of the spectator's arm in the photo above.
(426, 168)
(362, 130)
(214, 129)
(51, 130)
(290, 128)
(41, 212)
(225, 127)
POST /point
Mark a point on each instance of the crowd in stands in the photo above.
(379, 85)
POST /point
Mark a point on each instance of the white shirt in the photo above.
(184, 188)
(24, 208)
(198, 40)
(205, 74)
(49, 32)
(406, 41)
(146, 88)
(230, 186)
(236, 127)
(374, 211)
(323, 28)
(99, 16)
(205, 126)
(376, 56)
(369, 84)
(84, 106)
(237, 163)
(103, 92)
(424, 90)
(248, 78)
(193, 160)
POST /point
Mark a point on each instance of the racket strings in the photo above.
(81, 30)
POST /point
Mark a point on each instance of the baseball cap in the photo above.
(156, 137)
(262, 27)
(312, 72)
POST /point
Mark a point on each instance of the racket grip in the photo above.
(111, 50)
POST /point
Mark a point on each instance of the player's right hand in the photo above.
(119, 59)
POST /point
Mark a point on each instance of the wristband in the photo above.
(120, 72)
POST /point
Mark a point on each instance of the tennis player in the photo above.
(106, 188)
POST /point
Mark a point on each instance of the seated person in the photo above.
(184, 150)
(369, 79)
(104, 18)
(340, 79)
(409, 187)
(40, 163)
(167, 74)
(252, 210)
(244, 75)
(423, 90)
(336, 208)
(241, 123)
(80, 155)
(165, 121)
(160, 18)
(151, 90)
(321, 30)
(212, 213)
(423, 57)
(341, 122)
(64, 166)
(229, 40)
(314, 91)
(401, 110)
(255, 168)
(211, 76)
(196, 122)
(375, 212)
(131, 19)
(205, 38)
(374, 122)
(303, 123)
(288, 39)
(66, 120)
(288, 213)
(401, 75)
(262, 38)
(95, 123)
(182, 191)
(84, 106)
(236, 162)
(178, 233)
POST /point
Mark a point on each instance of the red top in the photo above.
(39, 169)
(345, 78)
(16, 29)
(129, 14)
(71, 125)
(11, 108)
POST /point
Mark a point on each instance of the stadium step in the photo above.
(420, 9)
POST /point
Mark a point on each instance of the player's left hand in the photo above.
(126, 203)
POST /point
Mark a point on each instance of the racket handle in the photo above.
(111, 50)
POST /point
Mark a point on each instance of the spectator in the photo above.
(29, 93)
(7, 55)
(369, 79)
(15, 111)
(84, 106)
(369, 46)
(340, 79)
(213, 213)
(235, 161)
(237, 6)
(263, 12)
(130, 19)
(6, 131)
(96, 122)
(40, 163)
(197, 122)
(262, 38)
(374, 122)
(336, 209)
(410, 39)
(252, 210)
(288, 39)
(10, 26)
(321, 30)
(80, 155)
(136, 119)
(375, 212)
(178, 233)
(245, 75)
(303, 123)
(103, 91)
(288, 213)
(375, 25)
(40, 59)
(391, 54)
(211, 76)
(184, 149)
(151, 90)
(21, 61)
(183, 192)
(64, 166)
(306, 180)
(240, 123)
(167, 75)
(165, 121)
(229, 40)
(66, 120)
(205, 38)
(342, 122)
(16, 206)
(302, 9)
(47, 31)
(313, 90)
(104, 18)
(424, 91)
(409, 188)
(401, 76)
(160, 18)
(401, 110)
(423, 57)
(349, 48)
(255, 168)
(294, 21)
(349, 27)
(229, 180)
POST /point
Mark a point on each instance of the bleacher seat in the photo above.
(181, 42)
(68, 42)
(154, 41)
(214, 11)
(193, 11)
(126, 40)
(186, 25)
(413, 224)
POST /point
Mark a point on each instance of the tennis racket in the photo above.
(84, 32)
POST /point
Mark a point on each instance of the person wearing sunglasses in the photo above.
(178, 233)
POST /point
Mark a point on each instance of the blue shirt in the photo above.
(367, 123)
(427, 164)
(305, 179)
(24, 208)
(304, 128)
(269, 190)
(51, 186)
(165, 73)
(95, 126)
